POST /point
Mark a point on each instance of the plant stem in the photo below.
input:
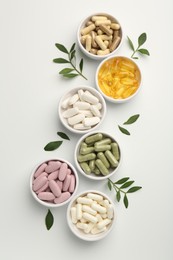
(134, 52)
(76, 68)
(116, 187)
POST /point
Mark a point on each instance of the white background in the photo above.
(30, 89)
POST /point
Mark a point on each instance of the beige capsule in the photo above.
(100, 42)
(115, 26)
(105, 37)
(88, 43)
(98, 17)
(93, 51)
(88, 29)
(93, 43)
(101, 21)
(100, 52)
(106, 30)
(115, 43)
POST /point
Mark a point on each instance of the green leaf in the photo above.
(142, 38)
(72, 75)
(72, 54)
(66, 71)
(118, 196)
(126, 203)
(134, 189)
(121, 181)
(72, 47)
(52, 145)
(63, 135)
(60, 60)
(126, 184)
(130, 44)
(109, 185)
(123, 130)
(144, 51)
(61, 47)
(81, 65)
(131, 119)
(135, 58)
(49, 220)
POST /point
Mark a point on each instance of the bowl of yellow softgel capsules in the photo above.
(97, 155)
(118, 79)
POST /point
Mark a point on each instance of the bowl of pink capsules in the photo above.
(54, 182)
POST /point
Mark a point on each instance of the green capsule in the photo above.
(111, 158)
(92, 165)
(82, 146)
(85, 167)
(102, 157)
(115, 151)
(97, 171)
(102, 148)
(93, 138)
(103, 142)
(87, 150)
(102, 167)
(86, 157)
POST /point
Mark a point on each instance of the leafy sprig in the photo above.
(131, 120)
(121, 188)
(71, 60)
(51, 146)
(49, 220)
(141, 40)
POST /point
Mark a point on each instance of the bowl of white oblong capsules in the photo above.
(54, 182)
(82, 109)
(99, 35)
(97, 155)
(91, 215)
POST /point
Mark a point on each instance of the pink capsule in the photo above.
(40, 176)
(43, 188)
(53, 166)
(53, 176)
(39, 182)
(64, 196)
(40, 169)
(72, 184)
(63, 171)
(66, 183)
(46, 196)
(54, 188)
(60, 183)
(68, 171)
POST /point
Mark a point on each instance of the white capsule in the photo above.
(110, 211)
(98, 208)
(94, 196)
(73, 99)
(90, 226)
(76, 119)
(105, 203)
(87, 96)
(99, 106)
(84, 200)
(70, 112)
(87, 113)
(80, 93)
(90, 121)
(89, 217)
(95, 230)
(82, 105)
(81, 225)
(81, 127)
(89, 210)
(103, 223)
(104, 215)
(82, 220)
(95, 110)
(73, 215)
(98, 216)
(79, 211)
(65, 103)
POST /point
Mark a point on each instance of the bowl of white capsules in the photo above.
(91, 215)
(82, 109)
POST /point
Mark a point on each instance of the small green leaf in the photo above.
(130, 44)
(144, 51)
(126, 203)
(72, 47)
(131, 120)
(109, 185)
(81, 65)
(123, 130)
(49, 220)
(72, 75)
(142, 38)
(126, 184)
(72, 54)
(61, 47)
(118, 196)
(60, 60)
(63, 135)
(66, 71)
(121, 181)
(135, 58)
(52, 145)
(134, 189)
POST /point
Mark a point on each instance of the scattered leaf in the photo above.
(63, 135)
(142, 39)
(52, 145)
(72, 55)
(81, 65)
(109, 185)
(72, 75)
(134, 189)
(66, 71)
(130, 44)
(123, 130)
(144, 51)
(72, 47)
(121, 181)
(61, 47)
(126, 203)
(126, 184)
(131, 120)
(118, 196)
(49, 220)
(60, 60)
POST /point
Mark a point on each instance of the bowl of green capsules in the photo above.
(97, 155)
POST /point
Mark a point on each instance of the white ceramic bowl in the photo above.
(108, 82)
(92, 175)
(70, 93)
(51, 204)
(80, 233)
(83, 24)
